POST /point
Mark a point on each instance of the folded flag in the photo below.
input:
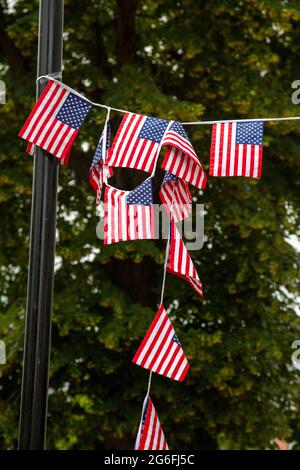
(99, 171)
(55, 119)
(236, 149)
(137, 142)
(128, 215)
(150, 435)
(176, 197)
(161, 351)
(181, 159)
(179, 261)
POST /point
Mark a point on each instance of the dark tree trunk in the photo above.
(126, 32)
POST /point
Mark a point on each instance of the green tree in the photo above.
(185, 60)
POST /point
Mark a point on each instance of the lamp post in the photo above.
(34, 392)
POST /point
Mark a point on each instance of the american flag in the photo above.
(161, 351)
(150, 435)
(137, 142)
(128, 215)
(179, 261)
(181, 159)
(176, 197)
(55, 119)
(236, 149)
(99, 171)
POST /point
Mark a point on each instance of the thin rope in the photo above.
(161, 301)
(204, 123)
(191, 123)
(149, 384)
(98, 105)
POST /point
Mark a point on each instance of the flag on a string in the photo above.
(128, 215)
(179, 261)
(181, 159)
(161, 351)
(55, 119)
(137, 142)
(99, 171)
(139, 139)
(150, 435)
(236, 149)
(176, 197)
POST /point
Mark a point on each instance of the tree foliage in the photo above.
(175, 59)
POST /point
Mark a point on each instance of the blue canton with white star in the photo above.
(176, 340)
(250, 133)
(153, 129)
(98, 157)
(178, 128)
(169, 177)
(74, 111)
(141, 195)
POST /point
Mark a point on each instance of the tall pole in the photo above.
(34, 392)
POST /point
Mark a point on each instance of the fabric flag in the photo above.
(160, 350)
(137, 142)
(55, 119)
(128, 215)
(139, 139)
(176, 197)
(179, 261)
(99, 172)
(30, 149)
(236, 149)
(181, 159)
(150, 435)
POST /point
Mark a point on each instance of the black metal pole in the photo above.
(34, 392)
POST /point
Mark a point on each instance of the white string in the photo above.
(98, 105)
(53, 76)
(191, 123)
(161, 301)
(204, 123)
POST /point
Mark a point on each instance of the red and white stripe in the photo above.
(158, 351)
(184, 166)
(180, 262)
(96, 178)
(124, 221)
(150, 434)
(174, 139)
(43, 129)
(227, 158)
(30, 149)
(177, 199)
(130, 151)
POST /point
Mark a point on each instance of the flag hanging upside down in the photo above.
(161, 351)
(150, 435)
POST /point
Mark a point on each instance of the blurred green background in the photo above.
(186, 60)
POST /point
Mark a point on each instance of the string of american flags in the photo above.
(236, 150)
